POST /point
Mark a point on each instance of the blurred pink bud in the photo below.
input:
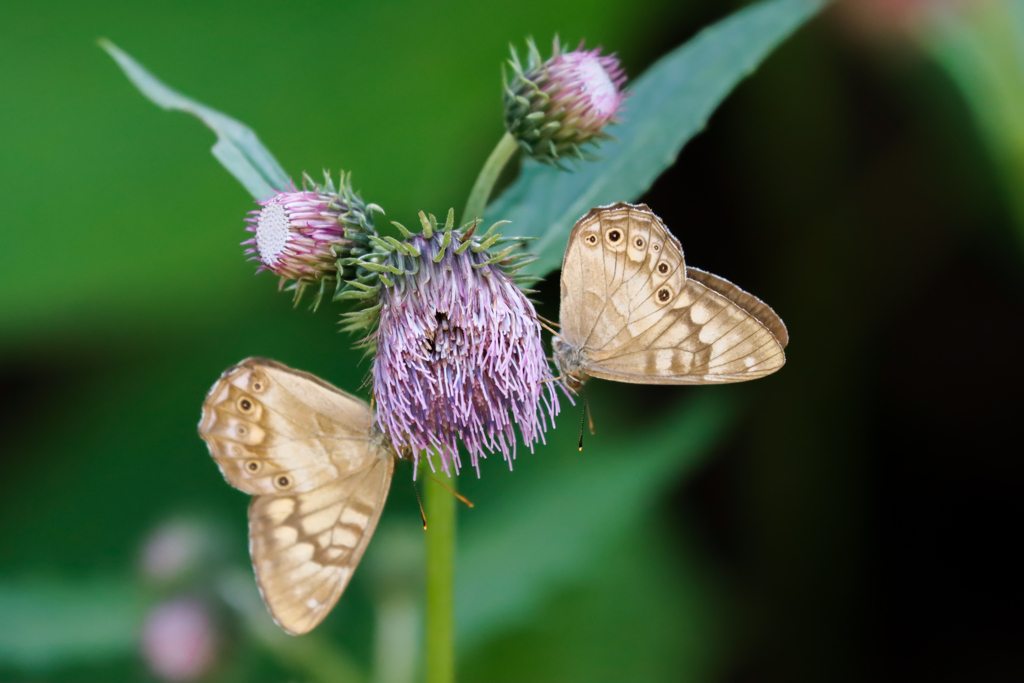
(173, 550)
(179, 641)
(892, 18)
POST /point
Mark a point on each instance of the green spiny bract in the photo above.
(392, 263)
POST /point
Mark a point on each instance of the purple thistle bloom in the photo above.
(459, 356)
(554, 108)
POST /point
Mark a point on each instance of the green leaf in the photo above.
(521, 548)
(237, 147)
(982, 49)
(49, 623)
(670, 103)
(652, 613)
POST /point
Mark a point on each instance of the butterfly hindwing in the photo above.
(305, 547)
(748, 302)
(617, 256)
(701, 338)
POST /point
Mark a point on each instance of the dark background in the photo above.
(855, 521)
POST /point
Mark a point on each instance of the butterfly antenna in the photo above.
(550, 329)
(549, 322)
(453, 492)
(367, 380)
(589, 417)
(423, 514)
(544, 323)
(583, 419)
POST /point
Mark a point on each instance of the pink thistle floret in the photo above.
(297, 234)
(459, 358)
(588, 85)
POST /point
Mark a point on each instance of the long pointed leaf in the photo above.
(237, 147)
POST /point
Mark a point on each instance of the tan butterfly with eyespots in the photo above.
(632, 311)
(320, 472)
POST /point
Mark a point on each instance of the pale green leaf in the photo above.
(982, 48)
(237, 147)
(46, 623)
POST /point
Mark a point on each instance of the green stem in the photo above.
(484, 184)
(439, 504)
(440, 513)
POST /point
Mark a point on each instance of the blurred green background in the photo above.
(851, 518)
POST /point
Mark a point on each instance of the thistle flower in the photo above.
(556, 107)
(301, 235)
(458, 346)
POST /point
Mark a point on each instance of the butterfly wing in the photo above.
(745, 300)
(305, 449)
(305, 547)
(640, 315)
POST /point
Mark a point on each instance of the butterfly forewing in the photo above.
(307, 447)
(617, 257)
(629, 305)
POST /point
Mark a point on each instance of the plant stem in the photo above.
(439, 504)
(481, 191)
(440, 513)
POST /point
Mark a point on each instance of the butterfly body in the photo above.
(319, 471)
(632, 310)
(571, 362)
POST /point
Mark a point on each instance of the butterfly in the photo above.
(632, 311)
(319, 471)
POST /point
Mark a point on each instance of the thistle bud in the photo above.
(302, 235)
(180, 640)
(556, 107)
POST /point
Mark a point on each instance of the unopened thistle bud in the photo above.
(556, 107)
(302, 235)
(180, 640)
(458, 345)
